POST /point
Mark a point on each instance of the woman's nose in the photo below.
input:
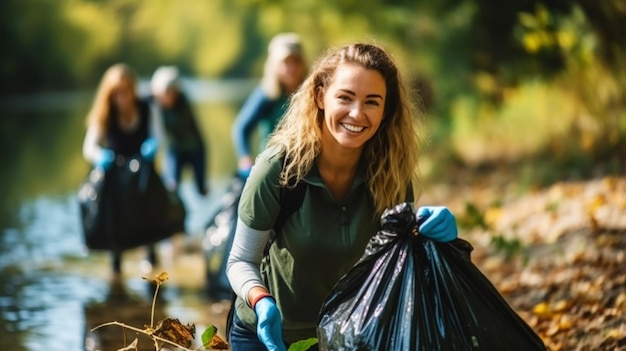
(356, 111)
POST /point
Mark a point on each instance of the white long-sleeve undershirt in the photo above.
(245, 258)
(92, 145)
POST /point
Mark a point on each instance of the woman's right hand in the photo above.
(269, 328)
(104, 159)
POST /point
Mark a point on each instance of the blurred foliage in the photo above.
(500, 81)
(508, 247)
(472, 217)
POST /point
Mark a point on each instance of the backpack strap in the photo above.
(290, 201)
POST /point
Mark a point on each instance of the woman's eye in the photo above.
(372, 102)
(344, 97)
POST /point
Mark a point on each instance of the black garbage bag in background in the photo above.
(411, 293)
(218, 239)
(128, 206)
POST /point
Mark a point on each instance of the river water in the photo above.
(53, 291)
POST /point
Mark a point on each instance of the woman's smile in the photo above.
(352, 128)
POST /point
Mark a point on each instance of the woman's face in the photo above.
(353, 105)
(123, 95)
(291, 72)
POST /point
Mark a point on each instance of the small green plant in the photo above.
(302, 345)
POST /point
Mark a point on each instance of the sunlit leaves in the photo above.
(542, 30)
(518, 127)
(97, 30)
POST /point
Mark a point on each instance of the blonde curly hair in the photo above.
(392, 154)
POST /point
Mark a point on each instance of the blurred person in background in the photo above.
(134, 207)
(183, 141)
(285, 69)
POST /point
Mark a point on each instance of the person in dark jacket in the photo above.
(184, 143)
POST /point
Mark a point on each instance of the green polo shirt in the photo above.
(318, 243)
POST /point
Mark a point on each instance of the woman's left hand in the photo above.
(440, 224)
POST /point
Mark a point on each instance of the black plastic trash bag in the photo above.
(411, 293)
(128, 206)
(218, 239)
(90, 201)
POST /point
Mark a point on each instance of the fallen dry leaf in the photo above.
(173, 330)
(217, 343)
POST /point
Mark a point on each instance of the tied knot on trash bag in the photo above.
(399, 219)
(394, 222)
(408, 292)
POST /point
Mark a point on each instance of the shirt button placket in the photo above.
(345, 223)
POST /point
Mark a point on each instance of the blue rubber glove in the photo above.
(104, 159)
(269, 327)
(243, 173)
(440, 224)
(149, 149)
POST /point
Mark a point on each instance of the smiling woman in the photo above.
(343, 136)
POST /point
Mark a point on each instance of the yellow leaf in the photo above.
(541, 309)
(565, 323)
(560, 306)
(492, 215)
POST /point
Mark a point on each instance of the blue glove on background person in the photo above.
(104, 159)
(244, 166)
(269, 328)
(243, 173)
(440, 224)
(149, 149)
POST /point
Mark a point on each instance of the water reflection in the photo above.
(52, 291)
(46, 233)
(44, 311)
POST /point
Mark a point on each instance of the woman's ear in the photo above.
(319, 98)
